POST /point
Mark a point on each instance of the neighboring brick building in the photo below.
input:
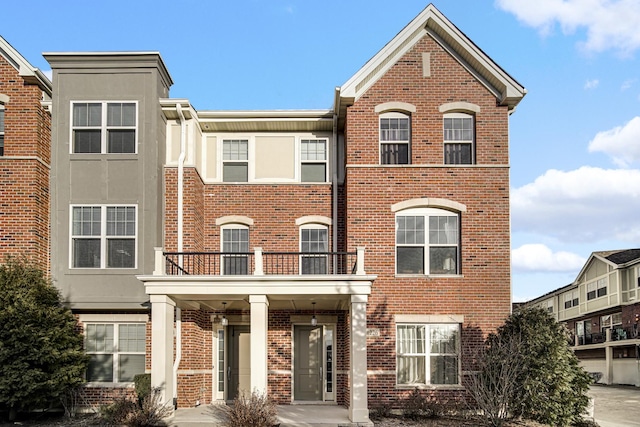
(344, 256)
(25, 141)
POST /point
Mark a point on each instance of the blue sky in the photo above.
(575, 138)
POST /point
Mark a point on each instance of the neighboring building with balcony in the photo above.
(342, 256)
(25, 138)
(601, 310)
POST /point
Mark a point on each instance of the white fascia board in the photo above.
(25, 69)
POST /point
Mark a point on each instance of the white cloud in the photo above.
(584, 205)
(627, 84)
(539, 257)
(591, 84)
(622, 143)
(610, 24)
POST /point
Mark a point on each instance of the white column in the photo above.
(360, 261)
(158, 262)
(608, 351)
(358, 410)
(258, 269)
(162, 346)
(259, 327)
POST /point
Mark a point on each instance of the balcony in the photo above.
(614, 337)
(259, 263)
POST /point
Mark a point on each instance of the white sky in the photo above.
(575, 138)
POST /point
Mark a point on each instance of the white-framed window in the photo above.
(313, 156)
(116, 351)
(235, 249)
(235, 160)
(549, 306)
(459, 137)
(610, 321)
(571, 299)
(314, 246)
(427, 241)
(103, 236)
(597, 289)
(427, 354)
(1, 131)
(395, 138)
(104, 127)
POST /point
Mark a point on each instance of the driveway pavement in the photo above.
(616, 406)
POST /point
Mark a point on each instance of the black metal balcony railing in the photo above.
(271, 263)
(617, 334)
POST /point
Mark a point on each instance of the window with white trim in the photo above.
(459, 139)
(313, 155)
(610, 321)
(1, 131)
(427, 354)
(116, 351)
(235, 160)
(427, 241)
(597, 289)
(571, 299)
(314, 244)
(104, 127)
(235, 249)
(395, 138)
(103, 236)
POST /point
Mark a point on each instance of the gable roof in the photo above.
(621, 257)
(433, 23)
(27, 71)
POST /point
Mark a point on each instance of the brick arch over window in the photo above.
(313, 219)
(459, 107)
(430, 202)
(234, 219)
(395, 106)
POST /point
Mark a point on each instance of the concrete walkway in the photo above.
(288, 416)
(615, 405)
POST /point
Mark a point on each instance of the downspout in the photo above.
(334, 172)
(181, 157)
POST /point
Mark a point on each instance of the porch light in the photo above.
(224, 321)
(314, 321)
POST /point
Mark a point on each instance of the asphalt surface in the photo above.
(616, 406)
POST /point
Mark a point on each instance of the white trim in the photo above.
(103, 126)
(112, 318)
(301, 162)
(4, 99)
(103, 236)
(428, 318)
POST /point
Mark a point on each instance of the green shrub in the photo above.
(256, 411)
(143, 385)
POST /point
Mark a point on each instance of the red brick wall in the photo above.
(24, 170)
(482, 292)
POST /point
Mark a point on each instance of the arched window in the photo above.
(427, 241)
(314, 248)
(235, 249)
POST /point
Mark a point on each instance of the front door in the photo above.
(239, 361)
(308, 363)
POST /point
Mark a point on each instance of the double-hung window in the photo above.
(596, 289)
(314, 246)
(104, 127)
(103, 236)
(395, 137)
(427, 354)
(116, 351)
(571, 299)
(235, 158)
(459, 139)
(427, 241)
(1, 131)
(313, 154)
(235, 250)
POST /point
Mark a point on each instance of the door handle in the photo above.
(228, 373)
(320, 371)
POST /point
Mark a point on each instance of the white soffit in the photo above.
(433, 23)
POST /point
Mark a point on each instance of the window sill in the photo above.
(96, 384)
(103, 156)
(430, 387)
(429, 276)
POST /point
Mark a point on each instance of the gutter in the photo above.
(178, 333)
(334, 172)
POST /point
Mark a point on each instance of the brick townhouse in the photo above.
(25, 148)
(343, 256)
